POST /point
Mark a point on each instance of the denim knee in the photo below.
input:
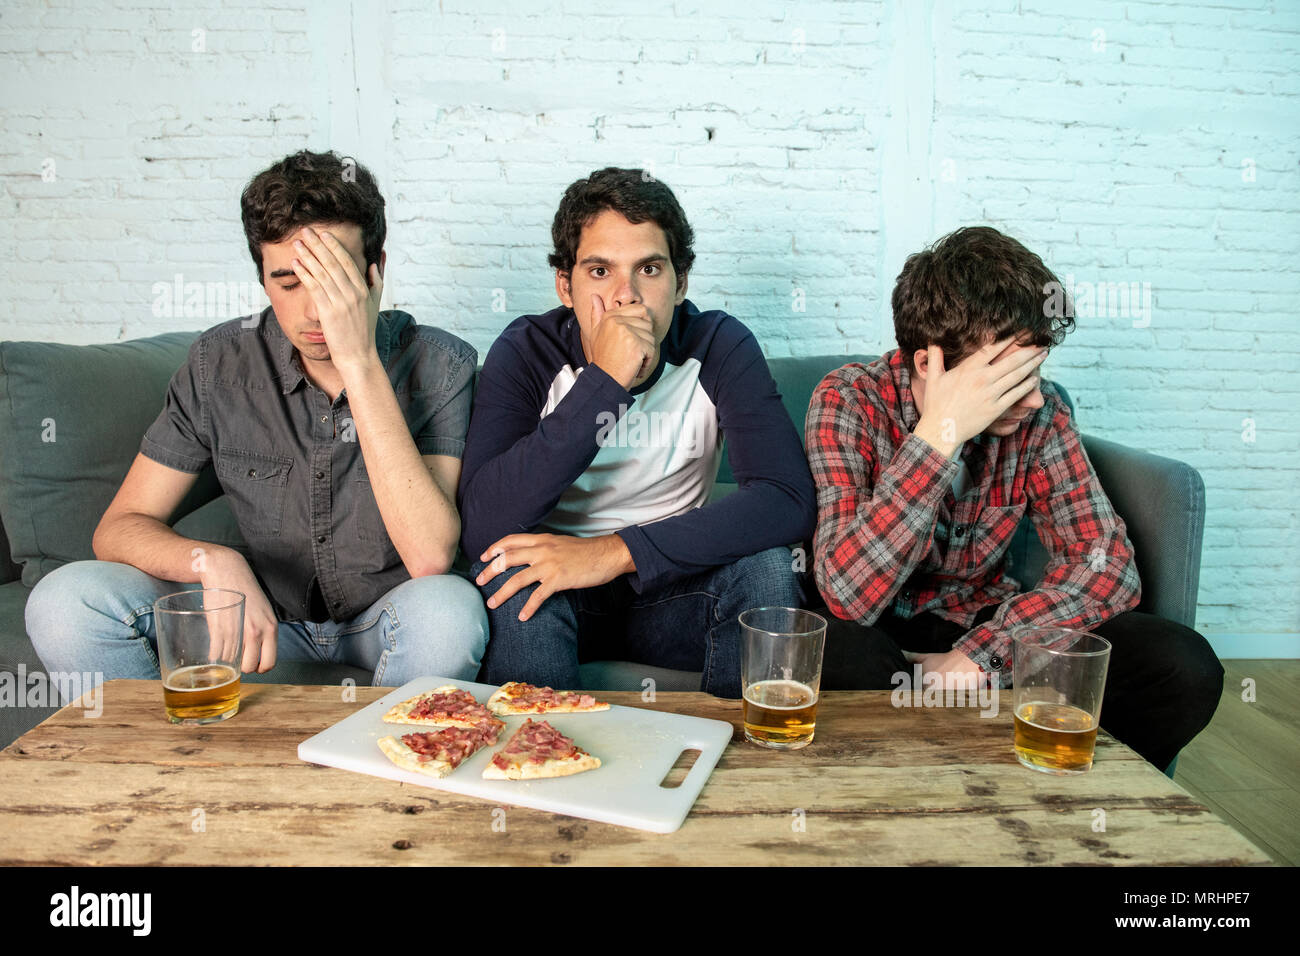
(766, 579)
(504, 614)
(445, 604)
(96, 614)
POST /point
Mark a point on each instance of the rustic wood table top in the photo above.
(878, 785)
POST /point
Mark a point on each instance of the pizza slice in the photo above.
(538, 750)
(446, 706)
(438, 753)
(519, 698)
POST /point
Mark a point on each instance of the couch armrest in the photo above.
(1162, 501)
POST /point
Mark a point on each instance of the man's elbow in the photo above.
(801, 515)
(101, 542)
(842, 599)
(845, 609)
(808, 517)
(433, 562)
(1130, 589)
(427, 568)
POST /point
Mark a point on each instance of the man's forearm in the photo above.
(513, 477)
(146, 543)
(419, 515)
(1057, 602)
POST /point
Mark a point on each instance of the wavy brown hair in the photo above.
(307, 188)
(972, 286)
(634, 194)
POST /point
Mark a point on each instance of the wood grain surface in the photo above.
(878, 785)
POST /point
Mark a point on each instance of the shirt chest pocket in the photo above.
(256, 485)
(977, 545)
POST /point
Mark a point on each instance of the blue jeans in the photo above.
(97, 616)
(690, 624)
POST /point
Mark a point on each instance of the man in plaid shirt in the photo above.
(925, 462)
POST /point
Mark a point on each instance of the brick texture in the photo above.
(1147, 145)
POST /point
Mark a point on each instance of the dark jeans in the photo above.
(1162, 685)
(686, 625)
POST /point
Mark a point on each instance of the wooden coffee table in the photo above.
(879, 785)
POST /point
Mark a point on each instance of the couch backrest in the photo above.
(796, 378)
(71, 419)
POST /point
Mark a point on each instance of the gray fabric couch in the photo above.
(71, 418)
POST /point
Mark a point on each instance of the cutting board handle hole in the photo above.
(685, 761)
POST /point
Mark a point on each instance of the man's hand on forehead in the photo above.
(961, 402)
(347, 304)
(325, 251)
(1000, 349)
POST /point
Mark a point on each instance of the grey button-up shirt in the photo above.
(289, 459)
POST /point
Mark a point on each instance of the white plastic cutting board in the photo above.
(636, 748)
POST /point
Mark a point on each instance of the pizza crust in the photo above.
(500, 703)
(528, 770)
(408, 759)
(521, 766)
(401, 713)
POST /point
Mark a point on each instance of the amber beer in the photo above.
(1055, 737)
(780, 674)
(201, 693)
(1059, 679)
(780, 713)
(200, 633)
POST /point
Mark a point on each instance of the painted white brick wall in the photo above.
(814, 145)
(1156, 143)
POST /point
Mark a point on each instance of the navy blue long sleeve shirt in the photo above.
(555, 445)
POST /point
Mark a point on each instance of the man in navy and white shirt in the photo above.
(593, 448)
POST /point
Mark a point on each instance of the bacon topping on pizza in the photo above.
(452, 744)
(459, 704)
(535, 742)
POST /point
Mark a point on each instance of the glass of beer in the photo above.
(200, 638)
(781, 674)
(1059, 676)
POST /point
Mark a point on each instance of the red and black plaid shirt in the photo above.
(893, 536)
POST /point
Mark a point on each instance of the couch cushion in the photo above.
(17, 658)
(795, 379)
(15, 646)
(621, 675)
(71, 419)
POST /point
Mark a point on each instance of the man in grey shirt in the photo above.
(336, 432)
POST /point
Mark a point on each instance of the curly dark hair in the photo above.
(633, 193)
(312, 187)
(972, 285)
